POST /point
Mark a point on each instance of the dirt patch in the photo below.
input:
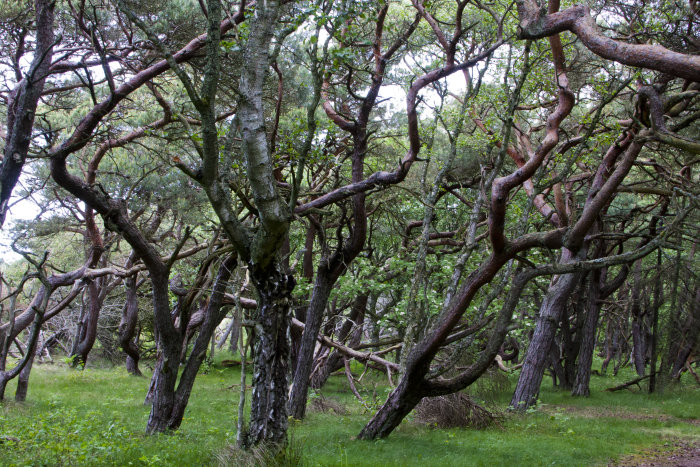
(677, 454)
(596, 412)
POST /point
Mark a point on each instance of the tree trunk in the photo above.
(268, 412)
(673, 331)
(169, 343)
(23, 379)
(4, 379)
(555, 361)
(24, 367)
(588, 333)
(413, 386)
(237, 332)
(690, 337)
(213, 317)
(528, 387)
(638, 347)
(400, 402)
(22, 103)
(89, 330)
(612, 345)
(334, 361)
(127, 327)
(300, 309)
(163, 398)
(568, 342)
(314, 317)
(658, 289)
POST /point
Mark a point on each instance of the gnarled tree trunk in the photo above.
(22, 103)
(268, 411)
(88, 331)
(169, 343)
(528, 387)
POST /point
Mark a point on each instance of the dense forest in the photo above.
(421, 193)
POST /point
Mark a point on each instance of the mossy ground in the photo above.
(97, 417)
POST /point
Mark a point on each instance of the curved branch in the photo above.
(81, 135)
(383, 178)
(535, 24)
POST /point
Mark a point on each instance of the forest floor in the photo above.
(97, 417)
(678, 454)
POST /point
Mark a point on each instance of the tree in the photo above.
(207, 139)
(22, 101)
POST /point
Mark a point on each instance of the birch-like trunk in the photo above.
(268, 411)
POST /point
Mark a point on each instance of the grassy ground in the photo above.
(97, 417)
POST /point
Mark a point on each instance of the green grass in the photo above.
(97, 417)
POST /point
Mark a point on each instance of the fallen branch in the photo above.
(628, 384)
(345, 350)
(349, 352)
(351, 380)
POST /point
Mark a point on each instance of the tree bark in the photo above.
(673, 332)
(314, 317)
(528, 387)
(638, 344)
(588, 337)
(658, 289)
(268, 412)
(88, 332)
(22, 104)
(559, 379)
(23, 379)
(570, 333)
(127, 327)
(400, 402)
(307, 273)
(536, 23)
(214, 314)
(690, 337)
(170, 344)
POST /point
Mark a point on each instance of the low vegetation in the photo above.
(96, 417)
